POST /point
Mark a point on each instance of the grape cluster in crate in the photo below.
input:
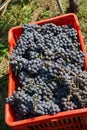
(49, 65)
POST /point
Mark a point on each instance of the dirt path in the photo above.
(4, 66)
(36, 14)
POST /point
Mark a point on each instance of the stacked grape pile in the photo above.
(49, 64)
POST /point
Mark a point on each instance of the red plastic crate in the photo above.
(68, 120)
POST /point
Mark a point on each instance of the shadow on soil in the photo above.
(3, 95)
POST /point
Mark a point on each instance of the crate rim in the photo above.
(72, 113)
(44, 20)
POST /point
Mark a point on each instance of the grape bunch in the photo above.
(49, 65)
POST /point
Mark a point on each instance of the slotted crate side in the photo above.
(62, 124)
(84, 120)
(74, 123)
(39, 122)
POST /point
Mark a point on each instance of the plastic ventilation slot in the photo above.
(65, 124)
